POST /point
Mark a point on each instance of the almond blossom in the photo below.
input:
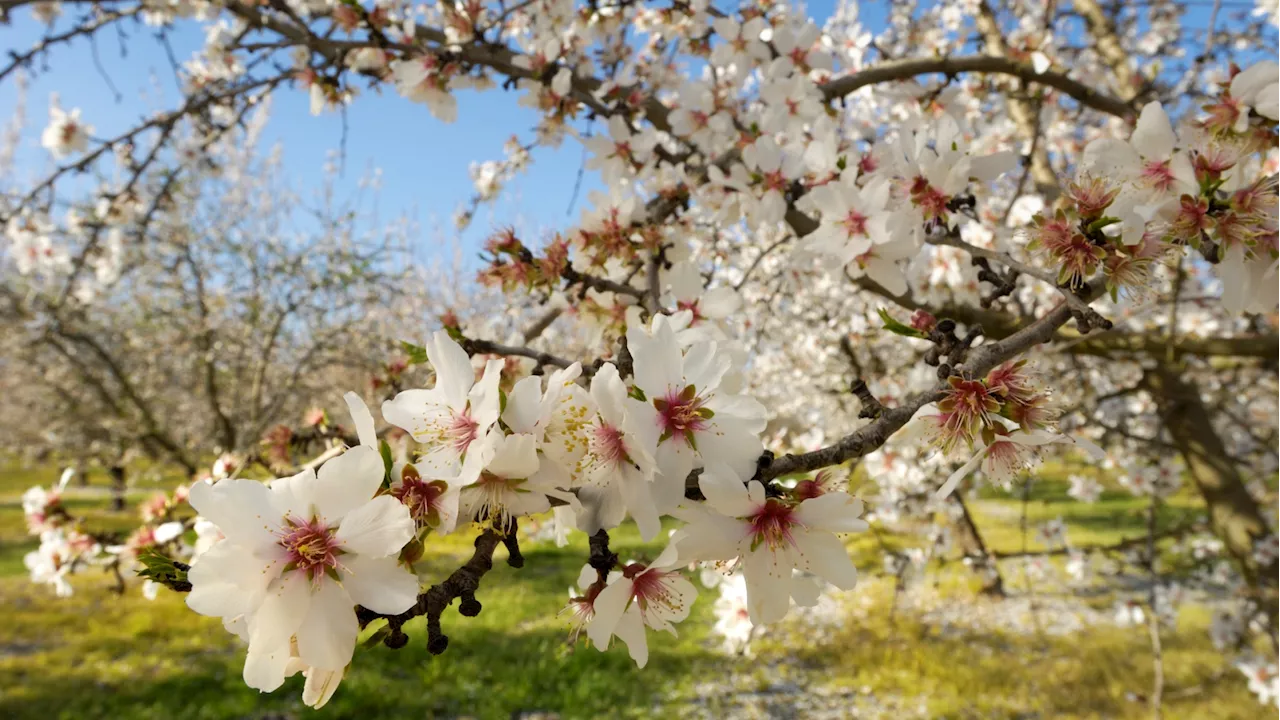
(448, 418)
(66, 133)
(653, 595)
(770, 536)
(616, 468)
(697, 424)
(298, 556)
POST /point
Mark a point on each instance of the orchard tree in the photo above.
(986, 233)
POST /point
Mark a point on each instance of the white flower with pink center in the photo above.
(1155, 172)
(697, 424)
(708, 307)
(771, 536)
(615, 471)
(450, 417)
(510, 484)
(853, 218)
(66, 133)
(297, 557)
(654, 595)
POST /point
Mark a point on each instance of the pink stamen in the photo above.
(310, 546)
(772, 523)
(681, 413)
(608, 443)
(461, 432)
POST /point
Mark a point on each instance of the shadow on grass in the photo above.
(95, 655)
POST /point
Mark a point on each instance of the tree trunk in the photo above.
(117, 487)
(1234, 515)
(973, 546)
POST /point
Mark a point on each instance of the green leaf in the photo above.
(636, 393)
(1102, 222)
(898, 328)
(161, 569)
(385, 451)
(377, 637)
(417, 354)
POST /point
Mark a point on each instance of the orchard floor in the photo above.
(936, 649)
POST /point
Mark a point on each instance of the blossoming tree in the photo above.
(992, 232)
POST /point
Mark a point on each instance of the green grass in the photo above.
(102, 655)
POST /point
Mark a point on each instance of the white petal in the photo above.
(486, 396)
(806, 590)
(949, 486)
(988, 168)
(378, 528)
(227, 580)
(345, 482)
(833, 511)
(822, 554)
(630, 630)
(363, 420)
(1268, 101)
(1153, 136)
(379, 584)
(609, 393)
(638, 497)
(454, 375)
(168, 531)
(768, 577)
(524, 405)
(609, 606)
(327, 636)
(729, 441)
(265, 666)
(320, 686)
(282, 610)
(725, 492)
(658, 361)
(242, 510)
(516, 457)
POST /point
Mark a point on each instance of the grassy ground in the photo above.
(101, 655)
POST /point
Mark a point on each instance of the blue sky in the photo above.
(424, 162)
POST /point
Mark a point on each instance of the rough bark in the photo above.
(1234, 515)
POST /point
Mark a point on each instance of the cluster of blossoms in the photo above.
(750, 153)
(1134, 203)
(1006, 418)
(65, 547)
(301, 553)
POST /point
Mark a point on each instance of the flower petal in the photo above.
(378, 528)
(242, 510)
(630, 630)
(768, 576)
(281, 611)
(363, 420)
(327, 635)
(345, 482)
(609, 606)
(822, 554)
(380, 584)
(725, 492)
(833, 511)
(454, 375)
(227, 580)
(265, 666)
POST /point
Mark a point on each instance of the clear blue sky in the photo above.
(424, 161)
